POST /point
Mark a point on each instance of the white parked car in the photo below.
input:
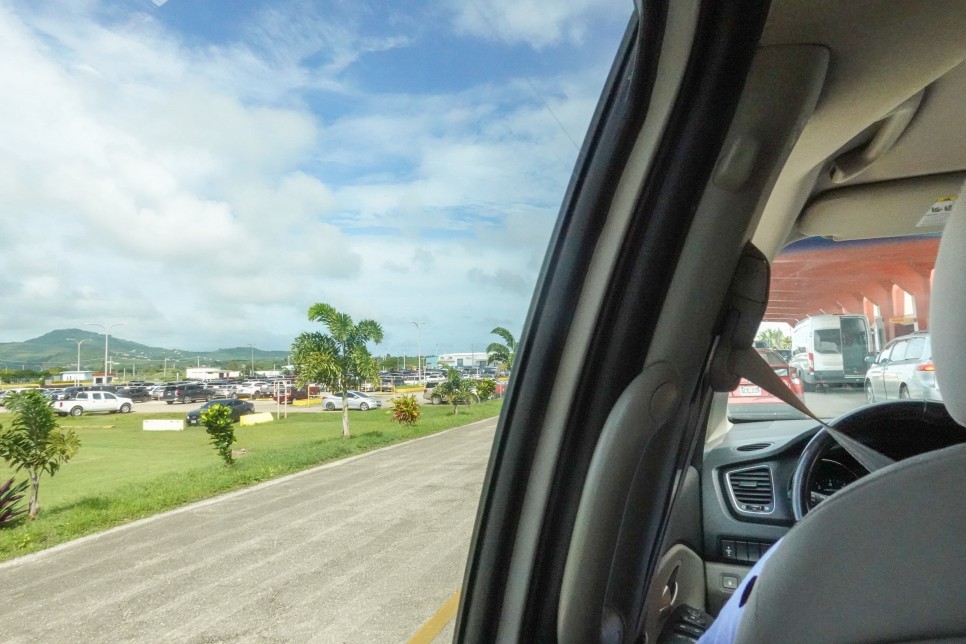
(93, 401)
(356, 400)
(253, 389)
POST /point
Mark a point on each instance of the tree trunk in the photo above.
(34, 503)
(345, 415)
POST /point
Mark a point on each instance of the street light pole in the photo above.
(79, 343)
(252, 347)
(107, 335)
(419, 356)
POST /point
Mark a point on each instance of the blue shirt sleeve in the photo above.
(725, 626)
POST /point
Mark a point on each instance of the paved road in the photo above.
(835, 402)
(364, 550)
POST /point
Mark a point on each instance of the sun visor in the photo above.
(887, 209)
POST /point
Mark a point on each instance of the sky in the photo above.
(204, 171)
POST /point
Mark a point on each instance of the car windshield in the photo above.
(840, 309)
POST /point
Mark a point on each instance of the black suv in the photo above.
(186, 393)
(135, 393)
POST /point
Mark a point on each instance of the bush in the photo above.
(9, 495)
(218, 423)
(486, 388)
(405, 410)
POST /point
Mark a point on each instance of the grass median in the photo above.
(122, 473)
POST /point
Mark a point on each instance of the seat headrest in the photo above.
(948, 323)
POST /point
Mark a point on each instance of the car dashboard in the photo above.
(746, 481)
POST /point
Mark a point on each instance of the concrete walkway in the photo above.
(363, 550)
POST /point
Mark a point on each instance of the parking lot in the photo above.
(261, 405)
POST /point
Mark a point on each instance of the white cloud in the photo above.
(192, 193)
(537, 23)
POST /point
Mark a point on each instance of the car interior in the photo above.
(621, 503)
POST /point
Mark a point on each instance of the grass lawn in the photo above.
(122, 473)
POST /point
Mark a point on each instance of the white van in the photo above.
(831, 350)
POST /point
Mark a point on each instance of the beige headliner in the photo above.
(901, 48)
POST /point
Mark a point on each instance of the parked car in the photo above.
(137, 394)
(191, 392)
(70, 392)
(223, 390)
(85, 402)
(903, 370)
(288, 394)
(390, 383)
(253, 389)
(748, 401)
(238, 409)
(356, 400)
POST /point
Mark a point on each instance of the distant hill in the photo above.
(57, 350)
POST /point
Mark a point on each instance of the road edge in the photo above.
(33, 556)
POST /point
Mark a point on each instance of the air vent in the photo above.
(754, 447)
(752, 491)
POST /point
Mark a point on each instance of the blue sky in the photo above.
(205, 171)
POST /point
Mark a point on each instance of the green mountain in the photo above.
(57, 351)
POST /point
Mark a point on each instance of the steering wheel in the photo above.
(885, 427)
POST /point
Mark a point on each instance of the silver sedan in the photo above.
(356, 400)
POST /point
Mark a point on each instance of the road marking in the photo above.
(435, 624)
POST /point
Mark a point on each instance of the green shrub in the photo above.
(218, 423)
(405, 410)
(9, 495)
(486, 388)
(35, 442)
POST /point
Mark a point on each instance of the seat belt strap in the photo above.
(751, 365)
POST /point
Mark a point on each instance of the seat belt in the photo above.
(733, 357)
(752, 366)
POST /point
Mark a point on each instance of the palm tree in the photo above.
(337, 360)
(502, 353)
(774, 338)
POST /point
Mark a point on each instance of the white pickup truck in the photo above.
(93, 401)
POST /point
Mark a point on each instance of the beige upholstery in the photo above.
(948, 324)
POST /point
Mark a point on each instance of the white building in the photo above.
(76, 376)
(468, 359)
(208, 373)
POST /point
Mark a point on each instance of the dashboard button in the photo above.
(741, 548)
(729, 582)
(728, 549)
(754, 551)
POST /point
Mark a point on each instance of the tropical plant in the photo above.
(456, 390)
(218, 423)
(486, 388)
(339, 359)
(774, 338)
(405, 410)
(502, 353)
(35, 442)
(10, 494)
